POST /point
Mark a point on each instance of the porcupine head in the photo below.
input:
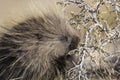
(36, 46)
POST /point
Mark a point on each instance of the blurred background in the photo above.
(8, 7)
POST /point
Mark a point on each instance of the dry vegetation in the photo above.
(98, 22)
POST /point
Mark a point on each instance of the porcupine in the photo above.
(36, 48)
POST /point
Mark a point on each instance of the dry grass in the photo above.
(98, 22)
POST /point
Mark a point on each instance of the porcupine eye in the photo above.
(64, 39)
(38, 36)
(72, 41)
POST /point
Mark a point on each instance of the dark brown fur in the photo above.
(36, 49)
